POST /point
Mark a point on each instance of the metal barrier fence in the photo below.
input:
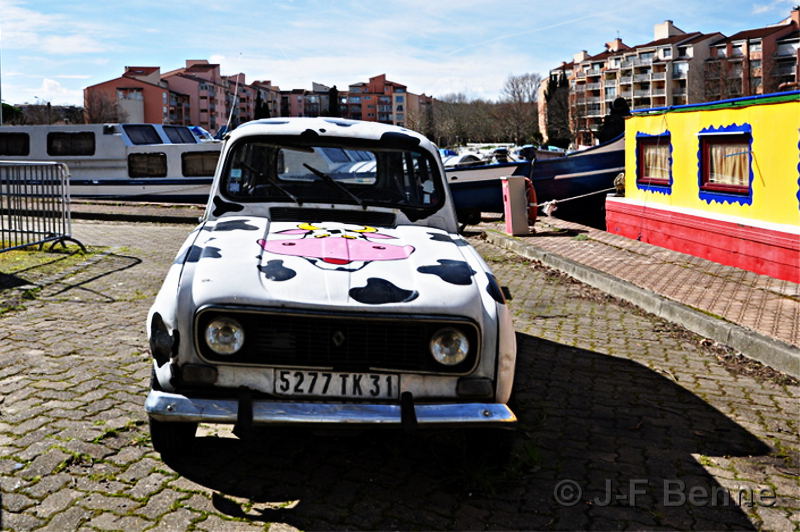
(34, 205)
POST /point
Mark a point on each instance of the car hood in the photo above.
(239, 260)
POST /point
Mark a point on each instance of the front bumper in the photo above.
(165, 406)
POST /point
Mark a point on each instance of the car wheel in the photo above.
(491, 446)
(171, 438)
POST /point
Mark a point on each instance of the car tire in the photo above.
(172, 438)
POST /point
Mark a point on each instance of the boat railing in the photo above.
(34, 205)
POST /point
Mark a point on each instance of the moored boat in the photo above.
(718, 180)
(130, 161)
(580, 177)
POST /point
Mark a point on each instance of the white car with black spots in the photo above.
(327, 284)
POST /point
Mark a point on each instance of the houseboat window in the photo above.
(336, 155)
(147, 165)
(142, 134)
(180, 135)
(653, 160)
(70, 143)
(15, 144)
(199, 163)
(725, 165)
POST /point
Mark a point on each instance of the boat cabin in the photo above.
(718, 180)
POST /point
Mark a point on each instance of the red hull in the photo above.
(764, 251)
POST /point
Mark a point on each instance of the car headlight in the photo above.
(449, 346)
(224, 336)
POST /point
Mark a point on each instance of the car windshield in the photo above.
(263, 170)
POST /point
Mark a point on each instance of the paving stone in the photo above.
(604, 391)
(56, 502)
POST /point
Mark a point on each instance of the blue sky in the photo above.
(51, 50)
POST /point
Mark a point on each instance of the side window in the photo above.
(147, 165)
(142, 134)
(15, 144)
(725, 163)
(179, 135)
(70, 143)
(654, 161)
(199, 163)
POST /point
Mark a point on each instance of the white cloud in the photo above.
(49, 90)
(783, 6)
(70, 45)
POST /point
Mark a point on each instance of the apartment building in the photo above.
(139, 95)
(675, 68)
(206, 87)
(269, 96)
(665, 71)
(378, 100)
(755, 61)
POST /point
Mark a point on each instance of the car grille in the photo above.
(348, 342)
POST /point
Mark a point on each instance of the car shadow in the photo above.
(603, 443)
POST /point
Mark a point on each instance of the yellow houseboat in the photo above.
(718, 180)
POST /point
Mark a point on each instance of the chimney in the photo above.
(666, 29)
(615, 45)
(795, 16)
(580, 56)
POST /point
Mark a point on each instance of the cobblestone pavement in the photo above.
(626, 422)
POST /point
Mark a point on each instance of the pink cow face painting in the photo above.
(337, 246)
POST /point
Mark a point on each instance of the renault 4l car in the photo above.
(327, 284)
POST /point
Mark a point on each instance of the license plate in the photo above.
(336, 384)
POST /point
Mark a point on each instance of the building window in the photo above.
(666, 53)
(147, 165)
(654, 161)
(725, 171)
(399, 99)
(17, 144)
(199, 163)
(755, 46)
(70, 143)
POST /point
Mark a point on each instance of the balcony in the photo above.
(659, 91)
(641, 94)
(610, 83)
(580, 75)
(641, 77)
(626, 80)
(680, 74)
(592, 86)
(787, 49)
(593, 72)
(679, 91)
(595, 99)
(625, 94)
(658, 75)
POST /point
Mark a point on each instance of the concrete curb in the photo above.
(774, 353)
(127, 217)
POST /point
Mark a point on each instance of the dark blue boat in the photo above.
(589, 171)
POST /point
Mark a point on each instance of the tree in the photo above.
(262, 109)
(12, 115)
(558, 123)
(519, 94)
(99, 107)
(333, 102)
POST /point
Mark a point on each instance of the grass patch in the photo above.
(25, 272)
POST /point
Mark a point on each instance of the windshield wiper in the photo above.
(331, 181)
(272, 181)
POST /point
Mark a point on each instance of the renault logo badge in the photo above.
(338, 338)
